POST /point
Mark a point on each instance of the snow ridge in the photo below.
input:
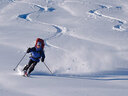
(120, 22)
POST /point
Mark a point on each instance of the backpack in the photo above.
(41, 41)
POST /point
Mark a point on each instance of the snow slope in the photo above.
(86, 47)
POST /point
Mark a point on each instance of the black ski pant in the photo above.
(31, 65)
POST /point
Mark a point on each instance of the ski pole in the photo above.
(20, 61)
(48, 68)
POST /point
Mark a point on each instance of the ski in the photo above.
(26, 74)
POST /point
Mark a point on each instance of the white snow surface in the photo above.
(86, 47)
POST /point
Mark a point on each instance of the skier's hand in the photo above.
(28, 50)
(42, 59)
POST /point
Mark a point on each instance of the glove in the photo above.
(28, 50)
(42, 59)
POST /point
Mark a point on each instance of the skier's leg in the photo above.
(32, 67)
(28, 65)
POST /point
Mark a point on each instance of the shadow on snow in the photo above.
(118, 74)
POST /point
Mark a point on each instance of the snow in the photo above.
(86, 47)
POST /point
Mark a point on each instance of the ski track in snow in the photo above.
(79, 85)
(117, 27)
(60, 29)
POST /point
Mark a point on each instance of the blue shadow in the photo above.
(92, 11)
(117, 26)
(42, 9)
(118, 7)
(102, 6)
(51, 9)
(111, 75)
(104, 75)
(120, 22)
(24, 16)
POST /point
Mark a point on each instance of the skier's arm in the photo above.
(31, 49)
(43, 56)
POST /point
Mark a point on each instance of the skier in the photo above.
(37, 53)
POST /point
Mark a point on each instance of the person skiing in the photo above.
(37, 53)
